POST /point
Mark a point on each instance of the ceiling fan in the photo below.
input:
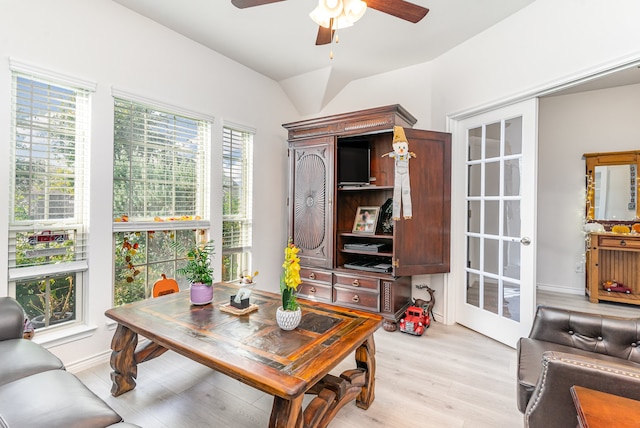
(398, 8)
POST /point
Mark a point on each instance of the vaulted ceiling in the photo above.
(278, 39)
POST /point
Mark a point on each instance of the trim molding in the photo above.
(552, 86)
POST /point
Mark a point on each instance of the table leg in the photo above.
(366, 360)
(123, 362)
(286, 413)
(332, 392)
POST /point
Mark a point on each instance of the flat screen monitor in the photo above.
(353, 163)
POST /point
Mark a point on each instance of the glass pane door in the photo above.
(493, 228)
(499, 280)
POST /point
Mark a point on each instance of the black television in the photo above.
(354, 163)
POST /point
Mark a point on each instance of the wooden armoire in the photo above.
(369, 271)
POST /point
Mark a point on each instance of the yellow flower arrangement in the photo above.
(290, 278)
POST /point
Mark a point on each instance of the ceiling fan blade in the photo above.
(400, 9)
(325, 35)
(242, 4)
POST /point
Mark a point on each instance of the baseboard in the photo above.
(560, 289)
(89, 362)
(97, 359)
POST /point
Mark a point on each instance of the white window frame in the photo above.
(76, 221)
(238, 254)
(198, 220)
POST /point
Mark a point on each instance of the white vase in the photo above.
(201, 294)
(288, 320)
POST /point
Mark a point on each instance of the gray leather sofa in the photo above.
(36, 390)
(567, 348)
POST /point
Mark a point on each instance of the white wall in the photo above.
(569, 126)
(105, 43)
(546, 43)
(409, 87)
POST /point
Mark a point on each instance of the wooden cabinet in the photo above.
(322, 209)
(613, 257)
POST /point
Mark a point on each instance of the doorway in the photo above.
(558, 273)
(496, 293)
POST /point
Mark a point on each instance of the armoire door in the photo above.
(311, 199)
(422, 243)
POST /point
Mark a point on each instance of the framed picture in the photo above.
(366, 220)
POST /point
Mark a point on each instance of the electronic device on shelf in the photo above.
(373, 248)
(370, 265)
(354, 162)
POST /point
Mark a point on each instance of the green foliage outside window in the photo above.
(229, 267)
(158, 162)
(237, 190)
(48, 300)
(231, 261)
(142, 257)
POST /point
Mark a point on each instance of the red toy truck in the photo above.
(415, 320)
(616, 286)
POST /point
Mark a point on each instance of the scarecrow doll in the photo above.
(402, 185)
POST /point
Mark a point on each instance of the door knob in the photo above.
(525, 241)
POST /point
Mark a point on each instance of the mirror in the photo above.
(615, 192)
(612, 186)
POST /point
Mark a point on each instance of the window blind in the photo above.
(49, 178)
(237, 158)
(160, 166)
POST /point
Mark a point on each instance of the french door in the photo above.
(496, 285)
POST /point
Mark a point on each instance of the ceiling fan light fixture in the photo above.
(341, 22)
(332, 8)
(343, 12)
(318, 16)
(354, 9)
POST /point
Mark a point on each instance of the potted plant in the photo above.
(198, 271)
(289, 314)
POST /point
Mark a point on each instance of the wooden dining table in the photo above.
(254, 350)
(597, 409)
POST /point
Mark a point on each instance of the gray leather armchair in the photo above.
(567, 348)
(36, 390)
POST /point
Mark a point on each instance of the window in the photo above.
(237, 166)
(48, 193)
(160, 191)
(143, 256)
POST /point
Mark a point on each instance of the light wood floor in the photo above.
(581, 303)
(449, 377)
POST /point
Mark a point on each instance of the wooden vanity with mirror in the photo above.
(613, 252)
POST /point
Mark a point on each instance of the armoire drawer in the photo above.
(354, 281)
(360, 299)
(315, 291)
(315, 275)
